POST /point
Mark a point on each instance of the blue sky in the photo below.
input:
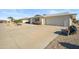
(20, 13)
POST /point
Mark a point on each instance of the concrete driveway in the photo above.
(26, 36)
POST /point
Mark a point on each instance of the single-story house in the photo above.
(3, 21)
(24, 20)
(61, 19)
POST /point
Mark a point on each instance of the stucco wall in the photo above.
(58, 20)
(24, 21)
(42, 20)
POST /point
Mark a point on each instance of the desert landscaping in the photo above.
(65, 42)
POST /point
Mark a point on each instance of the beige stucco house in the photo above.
(61, 19)
(25, 21)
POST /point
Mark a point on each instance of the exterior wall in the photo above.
(42, 21)
(31, 20)
(58, 20)
(70, 20)
(24, 21)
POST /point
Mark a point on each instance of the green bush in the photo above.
(18, 21)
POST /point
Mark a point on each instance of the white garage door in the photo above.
(59, 20)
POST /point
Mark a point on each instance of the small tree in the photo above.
(11, 18)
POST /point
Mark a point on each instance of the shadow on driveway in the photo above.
(69, 45)
(60, 33)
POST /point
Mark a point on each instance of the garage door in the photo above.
(58, 21)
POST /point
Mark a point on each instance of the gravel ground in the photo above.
(26, 36)
(65, 42)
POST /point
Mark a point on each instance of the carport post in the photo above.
(31, 21)
(43, 21)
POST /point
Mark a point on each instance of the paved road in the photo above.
(26, 36)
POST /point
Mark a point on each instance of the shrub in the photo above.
(18, 21)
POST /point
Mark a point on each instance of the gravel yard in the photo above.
(65, 42)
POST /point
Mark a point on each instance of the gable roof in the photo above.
(59, 14)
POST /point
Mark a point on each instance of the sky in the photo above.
(22, 13)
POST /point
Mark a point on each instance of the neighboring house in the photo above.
(63, 19)
(24, 20)
(3, 21)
